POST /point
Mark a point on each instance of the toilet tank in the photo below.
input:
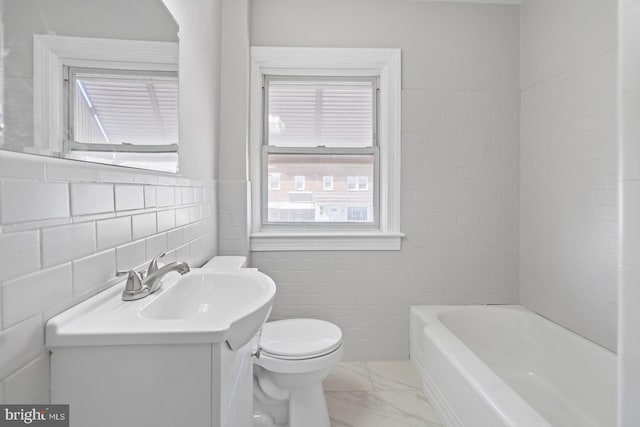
(226, 263)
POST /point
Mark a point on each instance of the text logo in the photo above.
(34, 415)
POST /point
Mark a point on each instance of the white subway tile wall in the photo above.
(233, 202)
(24, 341)
(34, 293)
(150, 196)
(165, 196)
(19, 253)
(91, 199)
(129, 197)
(131, 255)
(569, 208)
(67, 242)
(91, 272)
(49, 200)
(144, 225)
(460, 214)
(28, 381)
(166, 220)
(113, 232)
(65, 228)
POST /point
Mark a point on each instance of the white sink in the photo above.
(203, 306)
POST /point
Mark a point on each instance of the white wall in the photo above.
(199, 73)
(629, 350)
(568, 222)
(66, 226)
(234, 129)
(459, 167)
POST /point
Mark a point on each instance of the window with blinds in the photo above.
(118, 114)
(315, 128)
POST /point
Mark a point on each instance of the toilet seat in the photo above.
(299, 339)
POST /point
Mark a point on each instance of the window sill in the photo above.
(371, 241)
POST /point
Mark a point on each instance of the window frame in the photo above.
(268, 149)
(385, 64)
(53, 55)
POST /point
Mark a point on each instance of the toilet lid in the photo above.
(299, 338)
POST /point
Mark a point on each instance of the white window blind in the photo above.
(313, 113)
(111, 107)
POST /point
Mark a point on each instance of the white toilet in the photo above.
(295, 355)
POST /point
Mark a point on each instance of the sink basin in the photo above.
(203, 306)
(207, 295)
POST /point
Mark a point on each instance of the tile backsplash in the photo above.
(65, 229)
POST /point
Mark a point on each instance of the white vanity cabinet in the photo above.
(180, 357)
(190, 385)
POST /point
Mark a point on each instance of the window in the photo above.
(124, 113)
(319, 125)
(274, 181)
(357, 183)
(120, 100)
(357, 213)
(298, 182)
(327, 183)
(327, 121)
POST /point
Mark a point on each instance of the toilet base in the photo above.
(308, 407)
(293, 399)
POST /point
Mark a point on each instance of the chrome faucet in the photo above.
(140, 285)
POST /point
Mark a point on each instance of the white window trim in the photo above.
(52, 53)
(384, 63)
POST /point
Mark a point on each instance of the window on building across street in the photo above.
(327, 183)
(357, 183)
(274, 181)
(298, 182)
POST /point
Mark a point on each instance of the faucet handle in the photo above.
(153, 265)
(134, 288)
(134, 282)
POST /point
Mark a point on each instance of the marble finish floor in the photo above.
(378, 394)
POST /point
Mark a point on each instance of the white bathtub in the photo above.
(491, 366)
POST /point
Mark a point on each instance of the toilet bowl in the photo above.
(294, 356)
